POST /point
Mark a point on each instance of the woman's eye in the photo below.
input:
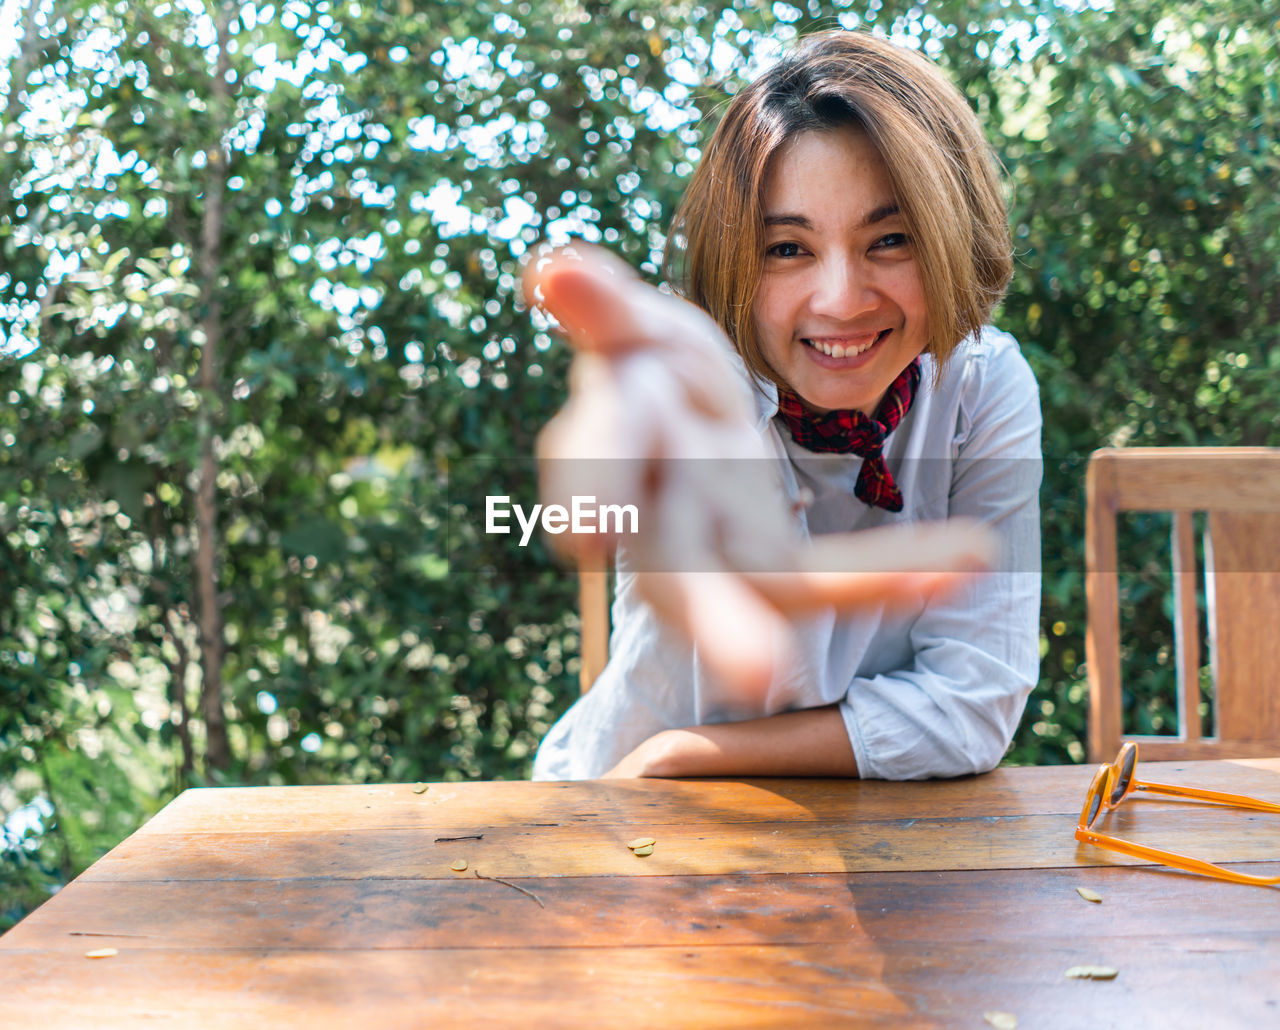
(784, 250)
(893, 240)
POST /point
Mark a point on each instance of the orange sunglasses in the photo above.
(1114, 782)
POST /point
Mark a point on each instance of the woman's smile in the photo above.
(839, 348)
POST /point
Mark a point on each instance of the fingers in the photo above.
(587, 289)
(955, 545)
(605, 309)
(798, 592)
(893, 566)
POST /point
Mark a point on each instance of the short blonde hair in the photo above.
(943, 170)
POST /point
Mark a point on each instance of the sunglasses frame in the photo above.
(1115, 781)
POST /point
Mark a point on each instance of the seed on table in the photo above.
(1001, 1020)
(1093, 973)
(641, 842)
(102, 953)
(419, 788)
(1089, 895)
(647, 849)
(459, 865)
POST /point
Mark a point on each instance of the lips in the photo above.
(844, 346)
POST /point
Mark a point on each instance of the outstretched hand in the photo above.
(658, 417)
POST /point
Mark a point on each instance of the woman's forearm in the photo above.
(811, 742)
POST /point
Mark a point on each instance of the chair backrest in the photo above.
(1238, 489)
(593, 614)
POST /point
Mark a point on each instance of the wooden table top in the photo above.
(765, 903)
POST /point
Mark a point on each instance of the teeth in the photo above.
(839, 351)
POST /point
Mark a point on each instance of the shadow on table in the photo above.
(955, 943)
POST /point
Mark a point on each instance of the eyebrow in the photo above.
(880, 214)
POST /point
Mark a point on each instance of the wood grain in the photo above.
(1031, 791)
(1245, 622)
(992, 842)
(893, 950)
(1170, 987)
(593, 613)
(1193, 478)
(765, 904)
(676, 911)
(1102, 597)
(760, 986)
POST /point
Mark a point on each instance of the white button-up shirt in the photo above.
(934, 689)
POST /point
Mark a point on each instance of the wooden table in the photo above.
(765, 903)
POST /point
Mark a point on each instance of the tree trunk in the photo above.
(217, 748)
(174, 620)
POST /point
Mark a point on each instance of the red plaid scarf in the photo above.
(842, 432)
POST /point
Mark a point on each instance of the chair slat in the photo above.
(1194, 478)
(1102, 633)
(1245, 623)
(593, 610)
(1186, 624)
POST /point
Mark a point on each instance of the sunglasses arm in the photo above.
(1193, 865)
(1237, 800)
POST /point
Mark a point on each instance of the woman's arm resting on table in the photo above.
(811, 742)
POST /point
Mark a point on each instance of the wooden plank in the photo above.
(1179, 984)
(1244, 625)
(993, 842)
(1102, 628)
(1038, 790)
(750, 986)
(1035, 907)
(464, 913)
(1186, 624)
(593, 613)
(1172, 981)
(1169, 748)
(1192, 478)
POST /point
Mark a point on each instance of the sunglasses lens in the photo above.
(1095, 802)
(1124, 776)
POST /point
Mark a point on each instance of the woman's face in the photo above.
(840, 311)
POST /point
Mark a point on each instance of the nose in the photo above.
(842, 290)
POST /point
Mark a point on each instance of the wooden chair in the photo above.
(593, 613)
(1239, 490)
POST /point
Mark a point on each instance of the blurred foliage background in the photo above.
(259, 322)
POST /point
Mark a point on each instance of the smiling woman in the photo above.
(846, 233)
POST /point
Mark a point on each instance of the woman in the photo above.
(846, 232)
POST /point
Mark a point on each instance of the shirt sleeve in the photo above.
(954, 710)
